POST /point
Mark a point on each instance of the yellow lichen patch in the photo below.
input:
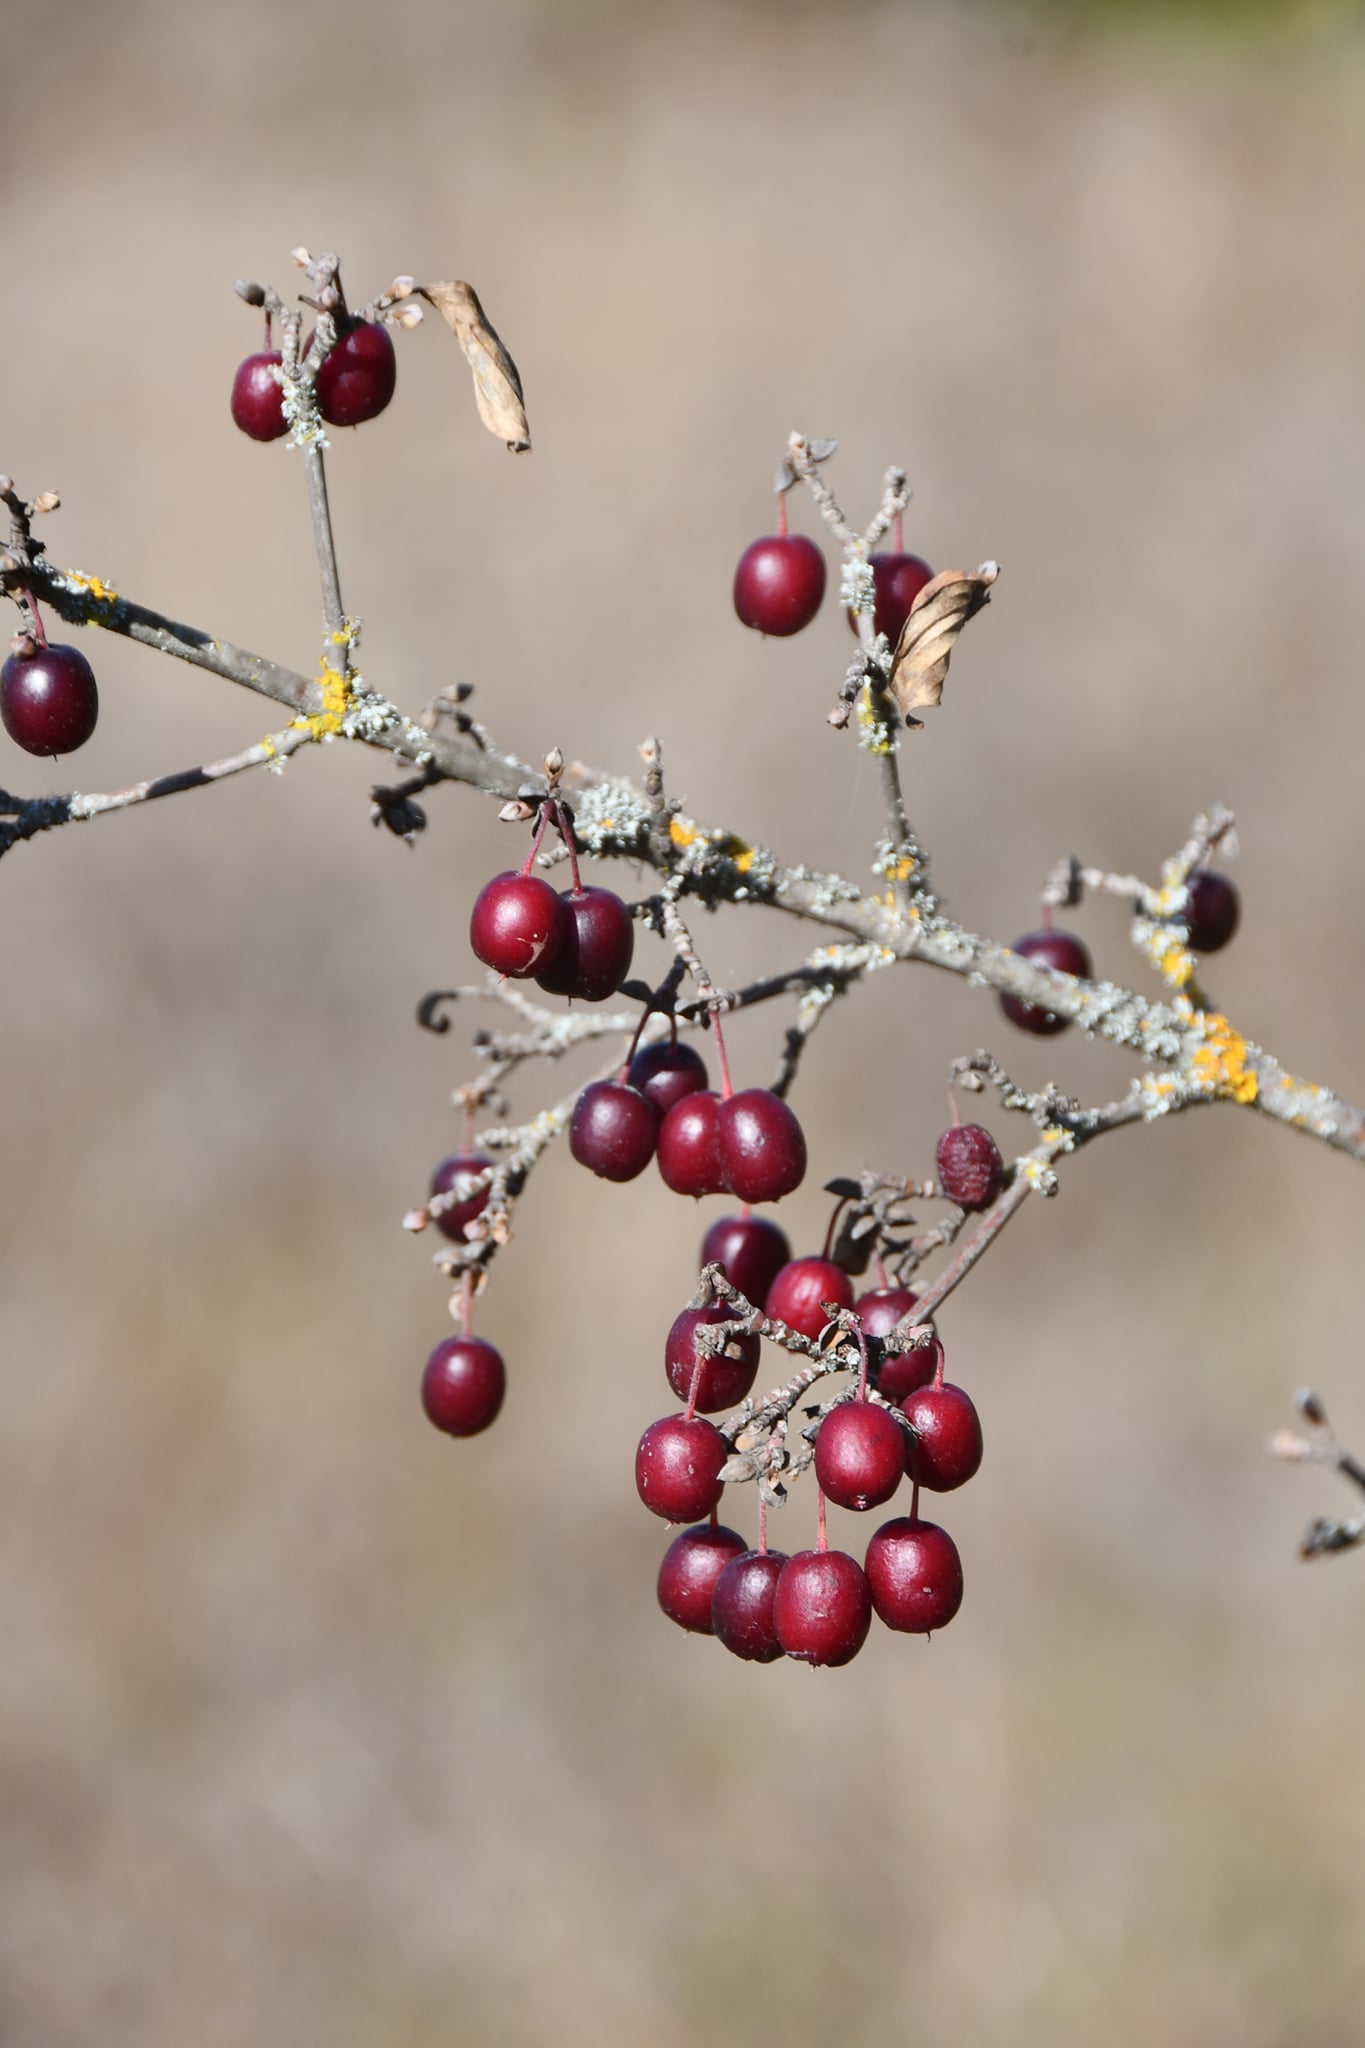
(1219, 1065)
(101, 592)
(268, 748)
(744, 858)
(901, 870)
(1175, 965)
(336, 696)
(680, 832)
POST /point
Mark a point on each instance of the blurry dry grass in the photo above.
(314, 1728)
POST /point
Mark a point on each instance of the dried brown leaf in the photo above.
(930, 633)
(497, 387)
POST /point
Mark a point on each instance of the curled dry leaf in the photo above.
(497, 387)
(929, 635)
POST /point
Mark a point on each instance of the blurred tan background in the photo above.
(318, 1728)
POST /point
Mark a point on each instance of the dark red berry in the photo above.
(613, 1130)
(677, 1467)
(762, 1146)
(944, 1447)
(594, 953)
(779, 583)
(726, 1376)
(460, 1166)
(667, 1071)
(970, 1168)
(689, 1145)
(517, 924)
(881, 1308)
(356, 379)
(752, 1251)
(822, 1609)
(691, 1566)
(48, 700)
(860, 1455)
(914, 1575)
(742, 1605)
(1062, 950)
(798, 1291)
(257, 401)
(1213, 910)
(901, 1372)
(897, 581)
(463, 1385)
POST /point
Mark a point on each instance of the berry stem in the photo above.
(782, 515)
(914, 1501)
(540, 831)
(694, 1387)
(35, 617)
(821, 1533)
(762, 1526)
(746, 1210)
(829, 1231)
(726, 1090)
(566, 834)
(862, 1353)
(898, 533)
(467, 1303)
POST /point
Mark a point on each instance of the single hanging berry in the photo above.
(914, 1575)
(461, 1167)
(970, 1169)
(517, 924)
(897, 580)
(762, 1146)
(667, 1071)
(463, 1385)
(860, 1455)
(356, 378)
(742, 1605)
(613, 1130)
(1062, 950)
(822, 1608)
(751, 1250)
(677, 1467)
(799, 1291)
(779, 583)
(48, 700)
(725, 1377)
(691, 1567)
(257, 402)
(594, 953)
(1213, 910)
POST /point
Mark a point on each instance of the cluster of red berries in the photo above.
(816, 1605)
(747, 1144)
(355, 381)
(780, 584)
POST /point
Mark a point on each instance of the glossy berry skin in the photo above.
(613, 1130)
(459, 1166)
(860, 1455)
(48, 700)
(943, 1450)
(752, 1250)
(902, 1372)
(463, 1385)
(1213, 910)
(897, 581)
(667, 1071)
(762, 1146)
(1062, 950)
(517, 925)
(691, 1565)
(779, 583)
(725, 1377)
(798, 1291)
(914, 1575)
(677, 1467)
(257, 401)
(356, 380)
(689, 1145)
(742, 1605)
(822, 1608)
(881, 1308)
(970, 1169)
(594, 953)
